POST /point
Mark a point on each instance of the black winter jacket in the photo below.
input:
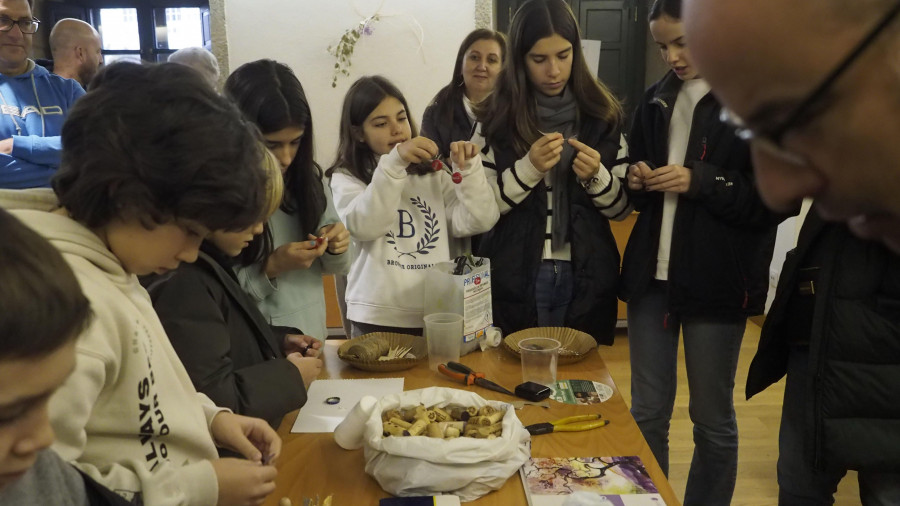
(722, 236)
(229, 350)
(444, 130)
(854, 344)
(515, 247)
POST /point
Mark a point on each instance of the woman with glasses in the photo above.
(696, 262)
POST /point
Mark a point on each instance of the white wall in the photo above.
(298, 33)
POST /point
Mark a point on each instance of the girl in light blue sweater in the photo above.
(308, 237)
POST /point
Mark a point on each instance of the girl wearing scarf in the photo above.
(550, 132)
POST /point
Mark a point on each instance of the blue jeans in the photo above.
(711, 349)
(799, 483)
(553, 292)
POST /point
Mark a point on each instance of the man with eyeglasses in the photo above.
(814, 85)
(33, 104)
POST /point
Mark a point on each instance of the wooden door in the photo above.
(621, 27)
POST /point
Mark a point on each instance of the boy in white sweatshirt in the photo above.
(153, 161)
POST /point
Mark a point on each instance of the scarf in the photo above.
(559, 114)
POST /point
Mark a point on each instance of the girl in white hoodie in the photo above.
(400, 207)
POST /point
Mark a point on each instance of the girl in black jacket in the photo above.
(230, 351)
(697, 262)
(551, 132)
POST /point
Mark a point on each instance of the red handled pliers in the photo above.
(462, 373)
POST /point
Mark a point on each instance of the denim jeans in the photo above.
(711, 349)
(799, 483)
(553, 292)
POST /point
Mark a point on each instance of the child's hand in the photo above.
(546, 151)
(462, 151)
(338, 237)
(309, 367)
(671, 178)
(307, 346)
(295, 256)
(418, 149)
(251, 437)
(242, 482)
(587, 162)
(637, 175)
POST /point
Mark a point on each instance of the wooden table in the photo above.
(313, 464)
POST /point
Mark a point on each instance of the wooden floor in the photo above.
(758, 421)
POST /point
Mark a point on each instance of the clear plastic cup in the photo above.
(444, 334)
(539, 359)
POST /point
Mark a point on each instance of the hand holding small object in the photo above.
(307, 346)
(309, 367)
(417, 150)
(670, 178)
(243, 482)
(545, 153)
(338, 237)
(637, 174)
(251, 437)
(586, 163)
(461, 152)
(294, 256)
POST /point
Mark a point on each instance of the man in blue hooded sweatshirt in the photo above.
(33, 104)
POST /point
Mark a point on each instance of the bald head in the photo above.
(75, 46)
(765, 59)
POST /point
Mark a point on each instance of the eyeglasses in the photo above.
(26, 25)
(771, 140)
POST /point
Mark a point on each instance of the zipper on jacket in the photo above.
(703, 153)
(666, 320)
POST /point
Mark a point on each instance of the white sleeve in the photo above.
(471, 205)
(368, 210)
(510, 185)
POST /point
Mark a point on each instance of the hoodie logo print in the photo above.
(429, 237)
(12, 110)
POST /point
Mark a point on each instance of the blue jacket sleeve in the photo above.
(38, 150)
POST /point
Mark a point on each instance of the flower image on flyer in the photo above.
(618, 480)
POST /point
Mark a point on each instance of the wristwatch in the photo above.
(587, 183)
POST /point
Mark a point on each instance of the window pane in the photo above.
(110, 58)
(178, 27)
(119, 29)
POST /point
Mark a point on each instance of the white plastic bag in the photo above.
(466, 294)
(411, 466)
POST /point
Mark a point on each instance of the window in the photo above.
(148, 30)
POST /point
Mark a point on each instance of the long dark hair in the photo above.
(509, 113)
(362, 98)
(270, 95)
(452, 93)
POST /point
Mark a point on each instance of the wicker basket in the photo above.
(386, 340)
(574, 344)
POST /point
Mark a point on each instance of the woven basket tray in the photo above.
(574, 344)
(419, 349)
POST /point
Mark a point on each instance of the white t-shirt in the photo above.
(679, 134)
